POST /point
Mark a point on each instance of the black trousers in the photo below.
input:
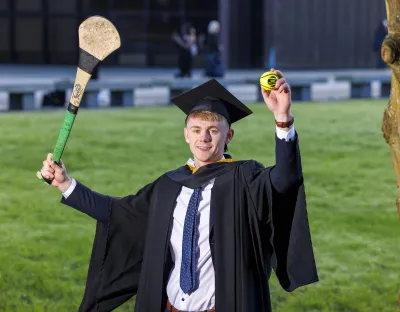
(185, 64)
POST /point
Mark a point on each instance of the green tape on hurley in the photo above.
(62, 139)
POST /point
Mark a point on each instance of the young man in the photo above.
(205, 236)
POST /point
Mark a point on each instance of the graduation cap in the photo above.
(212, 96)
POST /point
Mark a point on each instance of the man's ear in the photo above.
(186, 135)
(229, 136)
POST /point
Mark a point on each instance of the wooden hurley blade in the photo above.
(98, 37)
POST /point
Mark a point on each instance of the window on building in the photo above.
(166, 5)
(66, 6)
(92, 7)
(3, 5)
(161, 49)
(130, 5)
(210, 6)
(161, 27)
(4, 40)
(28, 39)
(133, 39)
(63, 48)
(28, 5)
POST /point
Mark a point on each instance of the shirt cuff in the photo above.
(70, 189)
(286, 135)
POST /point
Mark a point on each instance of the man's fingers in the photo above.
(54, 166)
(47, 166)
(61, 164)
(283, 88)
(279, 83)
(265, 93)
(278, 72)
(46, 174)
(58, 169)
(49, 156)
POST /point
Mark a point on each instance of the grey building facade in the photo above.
(295, 34)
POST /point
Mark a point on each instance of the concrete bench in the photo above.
(247, 93)
(180, 86)
(122, 93)
(300, 88)
(361, 86)
(22, 96)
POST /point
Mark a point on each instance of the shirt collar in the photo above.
(191, 163)
(192, 166)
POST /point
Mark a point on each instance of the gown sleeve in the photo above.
(89, 202)
(117, 252)
(278, 196)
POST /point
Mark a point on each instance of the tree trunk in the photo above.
(390, 53)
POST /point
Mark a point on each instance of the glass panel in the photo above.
(131, 27)
(4, 35)
(28, 34)
(63, 34)
(161, 27)
(120, 5)
(165, 5)
(63, 40)
(162, 51)
(3, 5)
(93, 7)
(210, 6)
(133, 45)
(28, 40)
(28, 5)
(62, 6)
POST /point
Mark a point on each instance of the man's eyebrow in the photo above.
(215, 127)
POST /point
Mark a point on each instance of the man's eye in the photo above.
(214, 131)
(196, 131)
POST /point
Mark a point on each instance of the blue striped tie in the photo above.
(189, 244)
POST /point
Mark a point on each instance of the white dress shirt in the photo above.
(204, 296)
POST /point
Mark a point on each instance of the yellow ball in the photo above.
(268, 80)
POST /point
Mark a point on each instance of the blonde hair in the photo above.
(206, 116)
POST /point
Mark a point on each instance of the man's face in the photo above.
(207, 139)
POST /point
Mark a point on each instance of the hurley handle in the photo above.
(81, 80)
(61, 142)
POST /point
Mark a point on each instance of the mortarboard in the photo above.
(212, 96)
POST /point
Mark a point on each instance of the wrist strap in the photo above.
(284, 124)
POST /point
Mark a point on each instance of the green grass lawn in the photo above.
(350, 185)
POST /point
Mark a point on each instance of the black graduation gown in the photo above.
(255, 228)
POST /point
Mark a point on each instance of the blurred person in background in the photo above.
(381, 32)
(213, 49)
(185, 41)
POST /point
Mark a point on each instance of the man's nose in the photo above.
(205, 136)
